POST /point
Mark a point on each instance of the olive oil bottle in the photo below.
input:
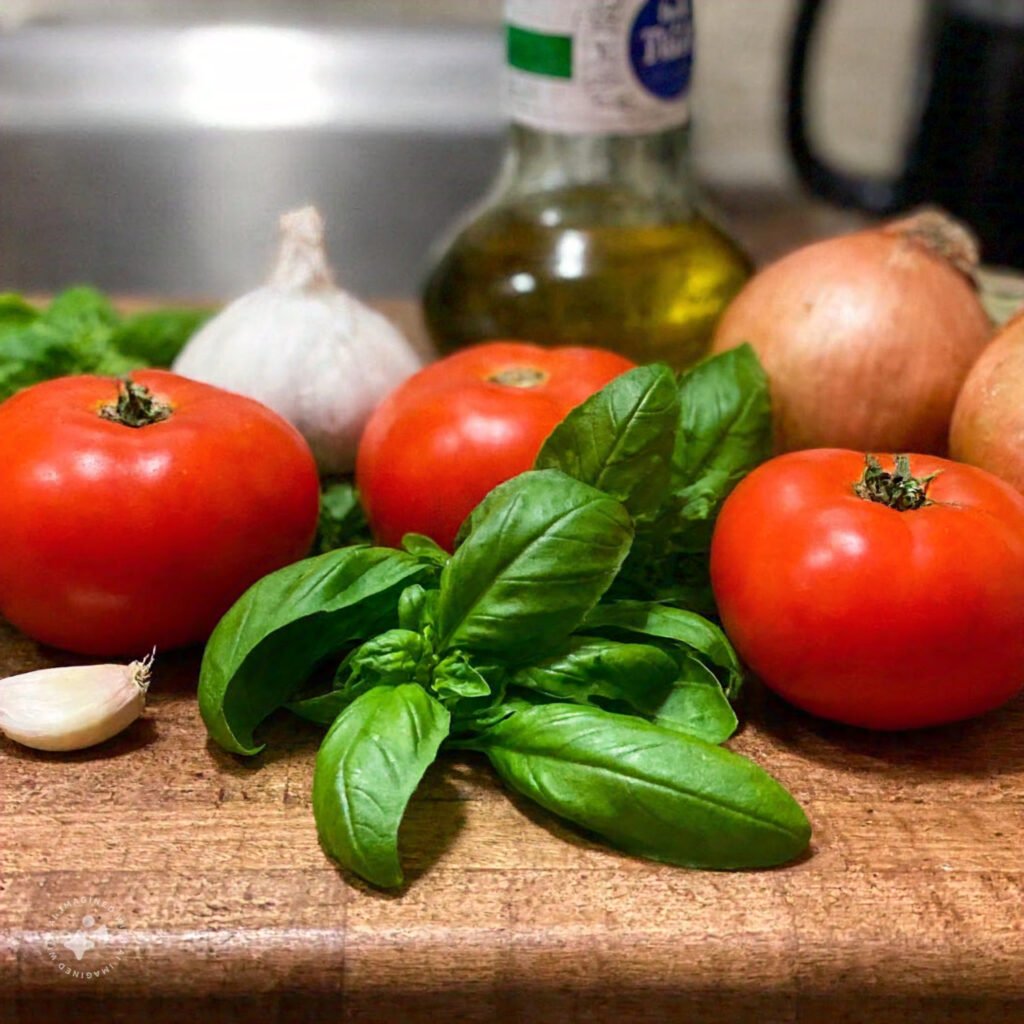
(593, 233)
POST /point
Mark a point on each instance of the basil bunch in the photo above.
(538, 643)
(81, 332)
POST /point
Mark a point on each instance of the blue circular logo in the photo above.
(661, 47)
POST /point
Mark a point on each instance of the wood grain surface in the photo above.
(205, 873)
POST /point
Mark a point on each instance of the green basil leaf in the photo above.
(679, 693)
(540, 551)
(71, 336)
(369, 765)
(15, 313)
(81, 332)
(417, 609)
(80, 308)
(676, 625)
(603, 673)
(696, 704)
(647, 790)
(393, 657)
(273, 637)
(322, 709)
(471, 705)
(156, 337)
(620, 440)
(669, 563)
(725, 430)
(455, 677)
(342, 519)
(425, 549)
(475, 719)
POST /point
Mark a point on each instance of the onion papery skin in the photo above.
(866, 339)
(988, 421)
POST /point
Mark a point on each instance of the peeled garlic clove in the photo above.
(74, 707)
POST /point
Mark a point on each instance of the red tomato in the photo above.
(461, 426)
(117, 539)
(867, 615)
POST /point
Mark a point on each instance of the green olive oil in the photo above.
(553, 269)
(593, 233)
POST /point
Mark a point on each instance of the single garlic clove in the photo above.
(74, 707)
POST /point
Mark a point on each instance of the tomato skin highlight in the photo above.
(121, 539)
(866, 615)
(451, 432)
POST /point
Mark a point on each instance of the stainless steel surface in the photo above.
(155, 157)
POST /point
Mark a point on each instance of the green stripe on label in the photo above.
(539, 53)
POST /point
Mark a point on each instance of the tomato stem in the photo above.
(899, 490)
(519, 377)
(136, 406)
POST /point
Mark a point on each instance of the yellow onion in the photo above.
(866, 338)
(988, 421)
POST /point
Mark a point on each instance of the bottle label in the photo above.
(608, 66)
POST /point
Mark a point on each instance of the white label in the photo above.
(599, 66)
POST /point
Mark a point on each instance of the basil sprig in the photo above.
(541, 643)
(673, 449)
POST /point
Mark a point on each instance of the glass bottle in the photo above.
(593, 232)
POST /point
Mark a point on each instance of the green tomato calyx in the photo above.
(135, 406)
(899, 490)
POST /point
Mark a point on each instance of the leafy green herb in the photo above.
(456, 677)
(649, 791)
(15, 313)
(389, 659)
(322, 709)
(342, 519)
(671, 451)
(80, 332)
(282, 627)
(724, 431)
(541, 550)
(677, 692)
(417, 609)
(676, 625)
(79, 309)
(425, 549)
(542, 642)
(621, 439)
(603, 673)
(698, 705)
(155, 338)
(369, 765)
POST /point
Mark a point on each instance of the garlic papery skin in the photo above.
(74, 707)
(313, 353)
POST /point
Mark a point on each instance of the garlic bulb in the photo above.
(74, 707)
(310, 351)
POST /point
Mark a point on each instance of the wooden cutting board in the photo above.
(190, 881)
(205, 871)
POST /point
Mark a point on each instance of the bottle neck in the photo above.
(651, 167)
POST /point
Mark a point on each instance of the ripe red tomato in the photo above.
(461, 426)
(117, 539)
(864, 614)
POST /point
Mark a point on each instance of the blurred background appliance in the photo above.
(965, 146)
(149, 146)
